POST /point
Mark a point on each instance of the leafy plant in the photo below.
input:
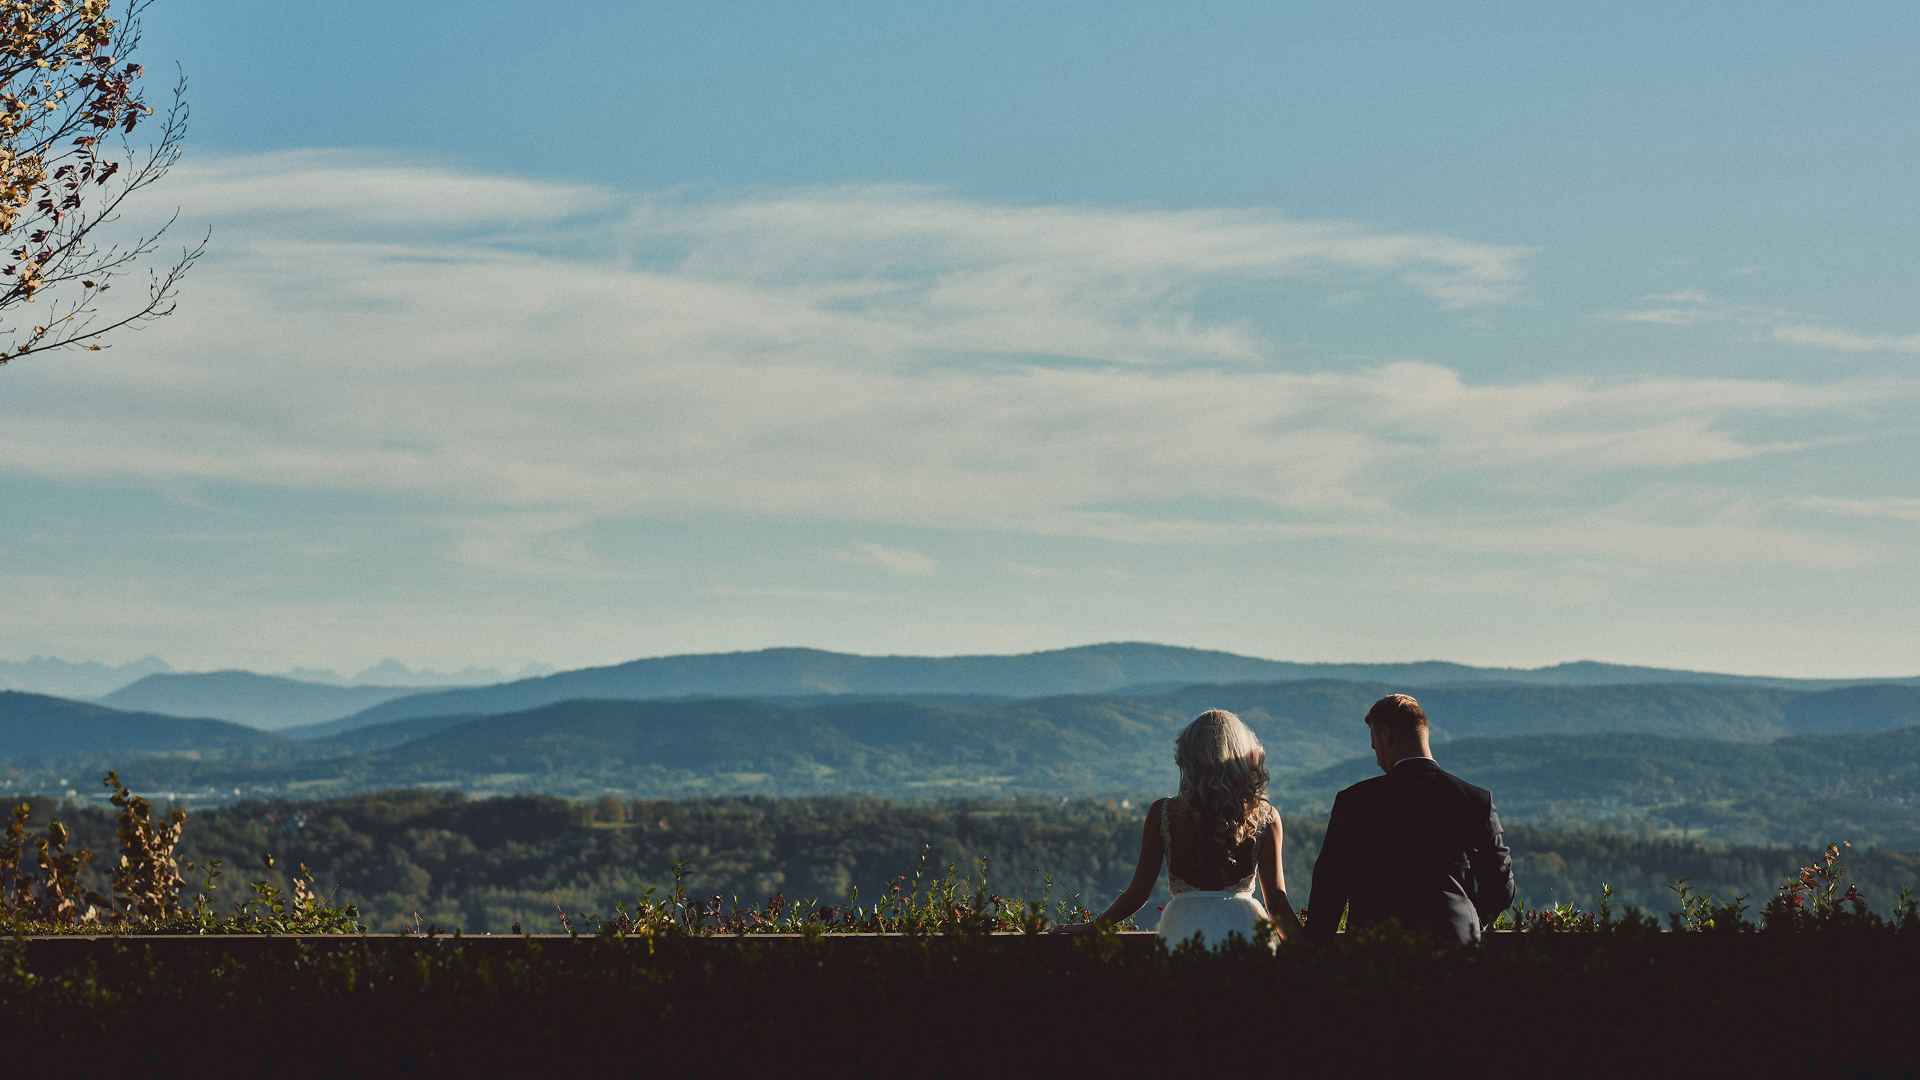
(1814, 897)
(60, 892)
(146, 884)
(1699, 912)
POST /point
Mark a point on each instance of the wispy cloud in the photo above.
(546, 545)
(528, 358)
(894, 560)
(948, 255)
(1028, 570)
(778, 593)
(1691, 307)
(1897, 507)
(1826, 337)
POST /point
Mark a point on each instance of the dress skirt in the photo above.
(1212, 914)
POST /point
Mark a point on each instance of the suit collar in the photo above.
(1414, 764)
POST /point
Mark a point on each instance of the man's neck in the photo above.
(1417, 755)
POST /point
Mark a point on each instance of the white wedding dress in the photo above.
(1210, 913)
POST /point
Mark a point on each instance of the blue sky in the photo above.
(1499, 333)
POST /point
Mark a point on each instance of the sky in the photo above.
(1497, 333)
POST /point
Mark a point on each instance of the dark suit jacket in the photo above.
(1417, 844)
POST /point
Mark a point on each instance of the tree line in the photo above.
(413, 858)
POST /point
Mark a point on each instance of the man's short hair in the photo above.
(1399, 716)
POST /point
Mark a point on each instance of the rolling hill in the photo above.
(1581, 752)
(37, 726)
(1092, 669)
(1757, 765)
(272, 702)
(325, 741)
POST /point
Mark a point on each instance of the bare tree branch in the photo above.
(70, 104)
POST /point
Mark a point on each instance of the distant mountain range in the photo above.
(391, 672)
(325, 704)
(1755, 759)
(1090, 669)
(264, 701)
(93, 680)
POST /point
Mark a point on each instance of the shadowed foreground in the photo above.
(1831, 1000)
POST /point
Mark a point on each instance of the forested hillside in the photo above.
(1561, 756)
(35, 726)
(485, 865)
(1072, 744)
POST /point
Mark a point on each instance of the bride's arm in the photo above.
(1273, 884)
(1145, 874)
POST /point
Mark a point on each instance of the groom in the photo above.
(1417, 844)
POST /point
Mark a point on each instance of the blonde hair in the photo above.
(1223, 776)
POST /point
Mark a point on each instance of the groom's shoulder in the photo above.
(1472, 791)
(1362, 791)
(1381, 787)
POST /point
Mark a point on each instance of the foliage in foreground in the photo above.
(146, 884)
(410, 859)
(1829, 998)
(956, 904)
(421, 859)
(1811, 898)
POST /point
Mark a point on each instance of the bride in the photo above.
(1216, 837)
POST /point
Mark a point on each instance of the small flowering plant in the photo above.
(1815, 898)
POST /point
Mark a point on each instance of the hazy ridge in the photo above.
(1091, 669)
(321, 706)
(264, 701)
